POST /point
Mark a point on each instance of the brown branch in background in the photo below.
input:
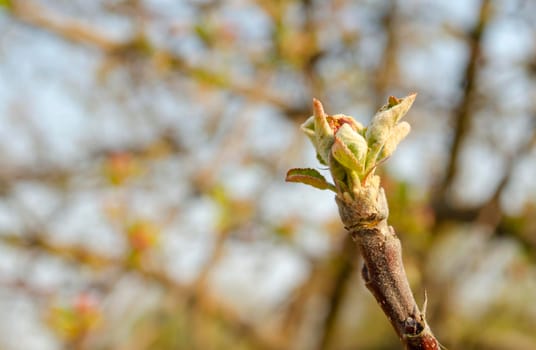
(197, 294)
(463, 111)
(36, 15)
(138, 45)
(296, 308)
(313, 52)
(387, 70)
(208, 305)
(491, 213)
(344, 266)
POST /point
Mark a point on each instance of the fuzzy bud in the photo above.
(399, 132)
(349, 148)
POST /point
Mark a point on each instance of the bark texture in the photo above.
(365, 217)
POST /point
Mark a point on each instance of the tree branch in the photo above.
(383, 270)
(463, 109)
(345, 266)
(353, 152)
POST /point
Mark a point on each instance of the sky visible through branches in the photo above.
(143, 147)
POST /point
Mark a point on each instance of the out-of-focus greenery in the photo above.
(143, 150)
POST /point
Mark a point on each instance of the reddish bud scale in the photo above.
(424, 341)
(335, 122)
(393, 101)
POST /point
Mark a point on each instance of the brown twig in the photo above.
(387, 70)
(463, 110)
(363, 207)
(345, 265)
(31, 13)
(383, 270)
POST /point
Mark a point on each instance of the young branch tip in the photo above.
(352, 153)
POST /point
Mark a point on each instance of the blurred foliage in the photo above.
(143, 151)
(73, 322)
(119, 167)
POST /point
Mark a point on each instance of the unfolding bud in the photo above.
(324, 133)
(338, 120)
(399, 132)
(403, 106)
(387, 117)
(351, 151)
(380, 131)
(321, 129)
(349, 148)
(309, 129)
(398, 107)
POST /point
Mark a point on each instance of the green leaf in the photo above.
(208, 77)
(324, 133)
(399, 132)
(309, 177)
(320, 160)
(344, 155)
(340, 175)
(355, 142)
(6, 3)
(309, 127)
(403, 106)
(205, 33)
(388, 116)
(380, 130)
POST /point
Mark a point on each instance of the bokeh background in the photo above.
(143, 150)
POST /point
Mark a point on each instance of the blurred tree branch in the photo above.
(36, 15)
(207, 304)
(299, 48)
(29, 12)
(463, 112)
(344, 265)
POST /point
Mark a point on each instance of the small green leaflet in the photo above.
(6, 3)
(309, 177)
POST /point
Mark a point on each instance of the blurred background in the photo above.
(143, 150)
